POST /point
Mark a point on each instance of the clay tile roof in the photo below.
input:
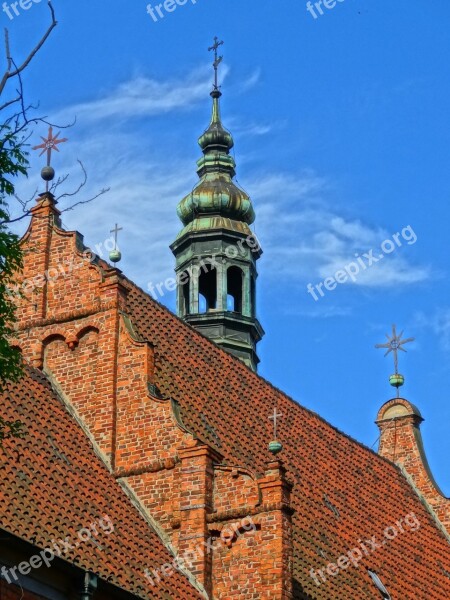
(53, 484)
(343, 493)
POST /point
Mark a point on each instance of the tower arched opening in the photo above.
(235, 289)
(207, 289)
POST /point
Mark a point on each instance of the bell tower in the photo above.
(216, 251)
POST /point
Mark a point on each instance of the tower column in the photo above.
(221, 286)
(180, 301)
(193, 291)
(246, 293)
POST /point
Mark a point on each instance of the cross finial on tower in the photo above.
(394, 344)
(217, 60)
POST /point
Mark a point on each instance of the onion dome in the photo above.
(216, 193)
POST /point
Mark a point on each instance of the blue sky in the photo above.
(342, 130)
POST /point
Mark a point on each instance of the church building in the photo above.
(149, 467)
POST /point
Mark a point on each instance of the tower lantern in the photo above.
(216, 251)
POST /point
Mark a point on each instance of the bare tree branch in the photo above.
(16, 219)
(9, 103)
(77, 190)
(9, 74)
(25, 203)
(100, 193)
(61, 180)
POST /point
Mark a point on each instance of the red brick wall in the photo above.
(146, 428)
(159, 492)
(234, 487)
(255, 562)
(79, 356)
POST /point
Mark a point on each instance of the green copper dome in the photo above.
(216, 193)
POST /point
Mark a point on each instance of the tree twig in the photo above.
(9, 74)
(3, 106)
(54, 187)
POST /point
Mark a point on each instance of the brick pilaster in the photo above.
(196, 501)
(44, 215)
(277, 554)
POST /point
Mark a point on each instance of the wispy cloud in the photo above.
(146, 97)
(439, 323)
(322, 311)
(238, 128)
(144, 191)
(307, 240)
(142, 96)
(251, 81)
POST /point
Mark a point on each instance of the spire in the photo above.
(216, 192)
(216, 137)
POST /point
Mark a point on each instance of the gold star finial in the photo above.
(49, 144)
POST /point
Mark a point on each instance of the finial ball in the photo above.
(115, 256)
(396, 380)
(275, 447)
(48, 173)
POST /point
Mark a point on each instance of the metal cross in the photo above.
(49, 144)
(394, 344)
(274, 418)
(115, 231)
(217, 60)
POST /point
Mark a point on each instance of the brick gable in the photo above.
(401, 442)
